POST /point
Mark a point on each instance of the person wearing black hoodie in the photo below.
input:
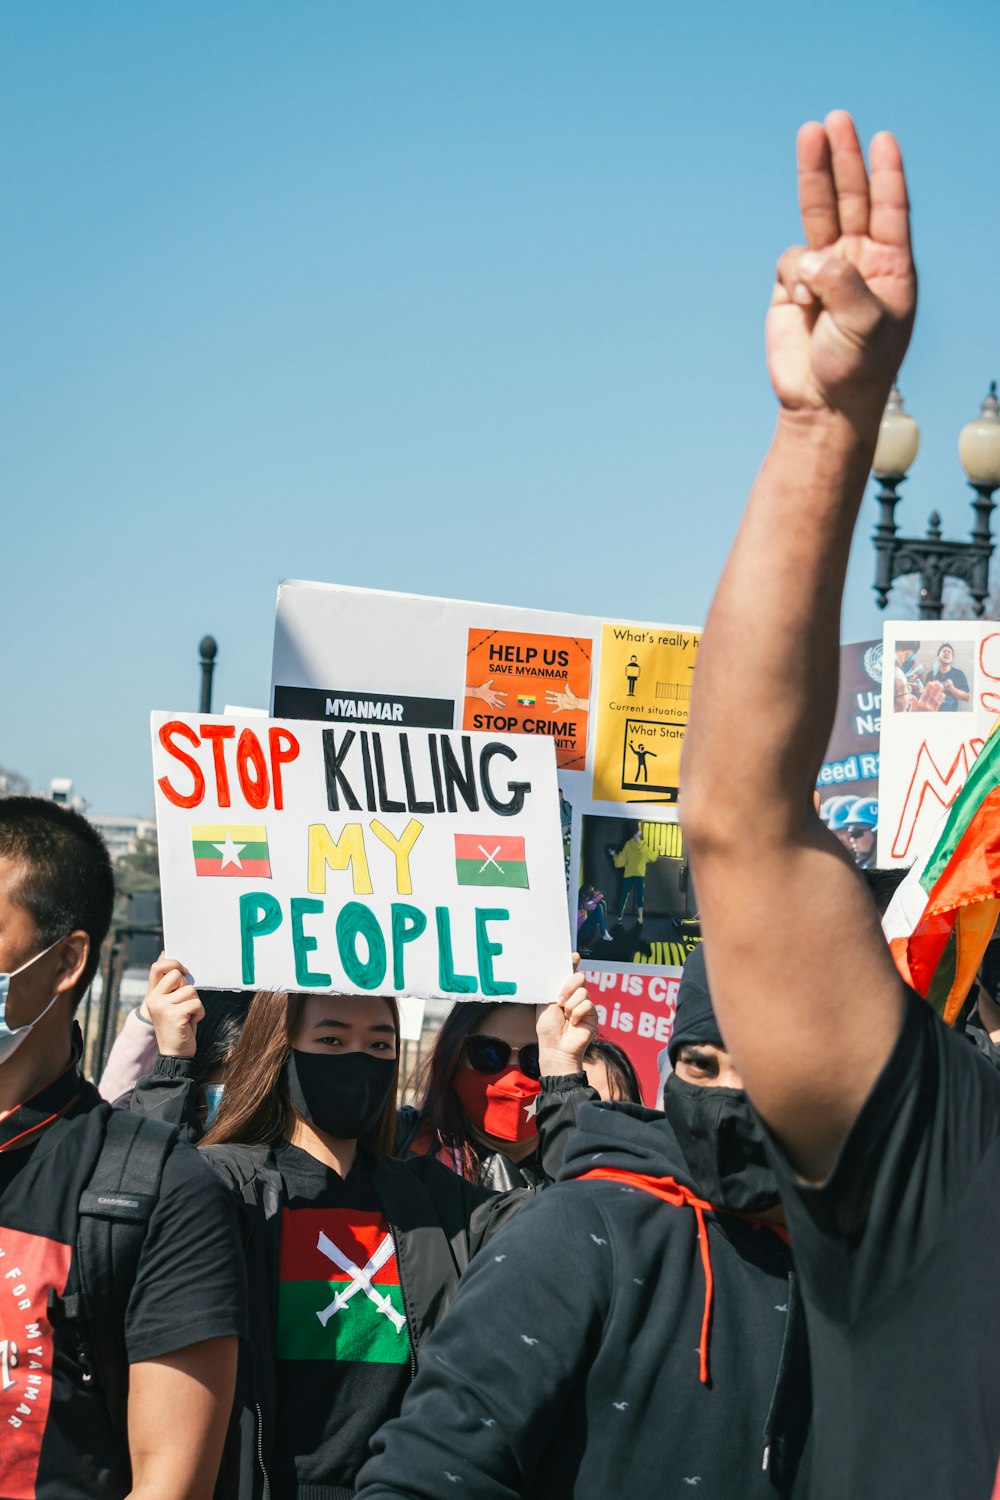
(636, 1330)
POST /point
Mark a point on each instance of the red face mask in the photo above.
(501, 1106)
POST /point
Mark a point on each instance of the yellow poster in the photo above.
(643, 699)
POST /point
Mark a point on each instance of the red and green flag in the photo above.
(233, 849)
(943, 915)
(490, 859)
(338, 1294)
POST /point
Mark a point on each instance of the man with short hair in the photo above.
(71, 1335)
(885, 1125)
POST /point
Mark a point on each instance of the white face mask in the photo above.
(12, 1037)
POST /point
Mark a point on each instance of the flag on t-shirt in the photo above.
(231, 849)
(490, 859)
(943, 914)
(339, 1295)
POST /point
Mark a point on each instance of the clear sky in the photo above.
(455, 296)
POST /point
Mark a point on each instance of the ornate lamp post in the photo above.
(933, 556)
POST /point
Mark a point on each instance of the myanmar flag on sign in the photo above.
(940, 920)
(490, 859)
(339, 1295)
(231, 849)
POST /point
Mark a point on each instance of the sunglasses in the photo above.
(488, 1054)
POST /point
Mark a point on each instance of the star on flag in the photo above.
(231, 849)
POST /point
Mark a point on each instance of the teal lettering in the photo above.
(260, 914)
(408, 922)
(450, 982)
(487, 951)
(354, 920)
(302, 945)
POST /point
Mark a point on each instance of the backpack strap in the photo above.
(115, 1209)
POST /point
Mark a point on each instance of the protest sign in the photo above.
(612, 695)
(848, 778)
(360, 859)
(940, 696)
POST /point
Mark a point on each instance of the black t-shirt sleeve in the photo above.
(901, 1172)
(190, 1281)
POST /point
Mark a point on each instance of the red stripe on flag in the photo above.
(356, 1234)
(472, 845)
(250, 868)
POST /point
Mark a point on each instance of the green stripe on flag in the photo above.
(359, 1332)
(511, 872)
(203, 850)
(981, 780)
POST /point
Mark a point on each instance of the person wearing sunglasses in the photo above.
(499, 1102)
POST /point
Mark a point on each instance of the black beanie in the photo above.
(694, 1020)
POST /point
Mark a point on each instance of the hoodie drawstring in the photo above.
(678, 1196)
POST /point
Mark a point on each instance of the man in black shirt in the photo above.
(885, 1126)
(61, 1437)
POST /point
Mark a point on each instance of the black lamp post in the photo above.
(933, 556)
(208, 650)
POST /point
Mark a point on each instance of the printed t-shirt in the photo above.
(56, 1437)
(343, 1342)
(894, 1252)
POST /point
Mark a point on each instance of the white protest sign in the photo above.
(940, 699)
(303, 856)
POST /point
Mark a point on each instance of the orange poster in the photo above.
(530, 684)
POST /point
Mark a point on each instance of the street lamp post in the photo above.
(208, 649)
(933, 556)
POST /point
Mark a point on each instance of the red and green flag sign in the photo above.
(339, 1295)
(231, 849)
(490, 859)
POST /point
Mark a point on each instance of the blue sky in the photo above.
(457, 296)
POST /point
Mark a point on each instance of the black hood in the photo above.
(628, 1138)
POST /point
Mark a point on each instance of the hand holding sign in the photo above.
(566, 1029)
(174, 1007)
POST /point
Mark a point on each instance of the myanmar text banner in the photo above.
(940, 699)
(296, 855)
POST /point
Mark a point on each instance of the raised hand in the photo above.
(842, 310)
(174, 1007)
(566, 1028)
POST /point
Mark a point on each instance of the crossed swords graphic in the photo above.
(491, 859)
(361, 1280)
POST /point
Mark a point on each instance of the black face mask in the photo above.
(342, 1093)
(722, 1145)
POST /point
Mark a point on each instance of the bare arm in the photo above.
(807, 997)
(178, 1410)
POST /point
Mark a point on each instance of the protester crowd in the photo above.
(246, 1272)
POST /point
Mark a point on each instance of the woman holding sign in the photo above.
(352, 1255)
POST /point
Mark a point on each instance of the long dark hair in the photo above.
(255, 1108)
(621, 1074)
(442, 1122)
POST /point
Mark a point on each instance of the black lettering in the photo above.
(412, 805)
(333, 761)
(517, 789)
(463, 777)
(436, 772)
(366, 764)
(385, 802)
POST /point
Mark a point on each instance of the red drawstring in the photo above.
(678, 1196)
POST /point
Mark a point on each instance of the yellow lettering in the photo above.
(338, 854)
(401, 848)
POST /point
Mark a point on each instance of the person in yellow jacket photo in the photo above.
(632, 858)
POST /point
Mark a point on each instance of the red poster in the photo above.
(636, 1011)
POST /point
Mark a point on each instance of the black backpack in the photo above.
(115, 1209)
